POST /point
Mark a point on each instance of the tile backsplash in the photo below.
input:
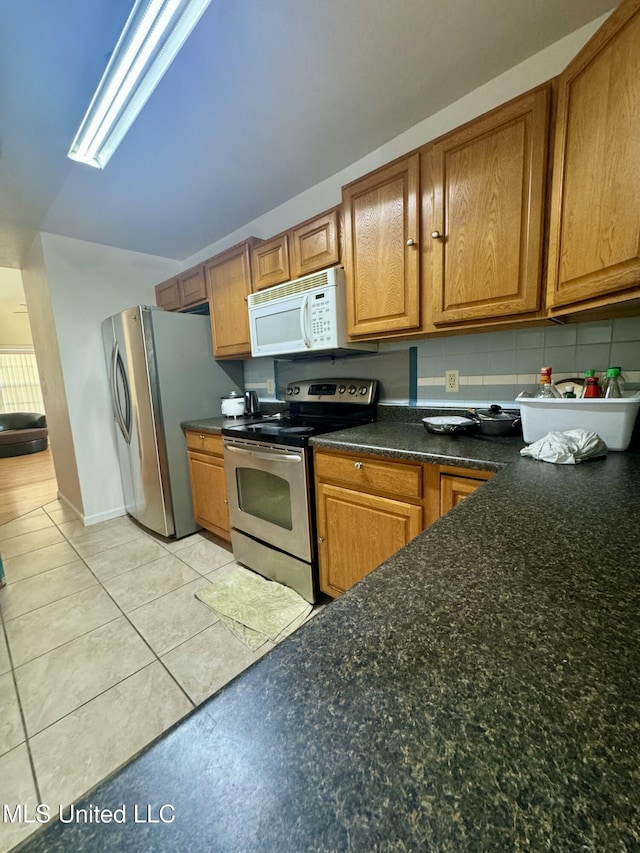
(493, 367)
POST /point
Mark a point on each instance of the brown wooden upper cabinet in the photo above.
(315, 244)
(229, 284)
(311, 246)
(483, 214)
(168, 295)
(270, 262)
(381, 258)
(594, 244)
(184, 291)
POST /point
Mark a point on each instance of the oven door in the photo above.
(268, 494)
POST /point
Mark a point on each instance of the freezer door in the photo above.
(135, 397)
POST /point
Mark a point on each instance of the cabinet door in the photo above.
(454, 489)
(381, 249)
(270, 262)
(193, 287)
(314, 245)
(168, 295)
(594, 246)
(357, 532)
(209, 493)
(229, 284)
(483, 243)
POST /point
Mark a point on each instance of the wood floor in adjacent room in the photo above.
(26, 482)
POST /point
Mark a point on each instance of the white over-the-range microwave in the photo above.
(305, 316)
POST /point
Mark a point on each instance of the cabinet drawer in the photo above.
(367, 473)
(204, 441)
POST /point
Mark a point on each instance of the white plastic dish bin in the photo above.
(611, 419)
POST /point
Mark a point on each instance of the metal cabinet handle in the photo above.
(436, 235)
(201, 437)
(357, 465)
(225, 501)
(411, 242)
(320, 540)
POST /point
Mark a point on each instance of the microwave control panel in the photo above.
(322, 320)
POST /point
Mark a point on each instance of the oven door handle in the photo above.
(269, 457)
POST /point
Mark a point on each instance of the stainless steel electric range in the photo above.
(269, 471)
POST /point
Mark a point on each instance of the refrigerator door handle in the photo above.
(124, 420)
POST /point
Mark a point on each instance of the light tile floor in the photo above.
(103, 647)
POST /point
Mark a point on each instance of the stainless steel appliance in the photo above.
(251, 403)
(161, 372)
(269, 471)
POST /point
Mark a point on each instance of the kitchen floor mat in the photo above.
(254, 609)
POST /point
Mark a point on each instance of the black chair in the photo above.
(22, 432)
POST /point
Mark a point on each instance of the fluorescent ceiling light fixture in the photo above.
(154, 33)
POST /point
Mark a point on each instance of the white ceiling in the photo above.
(266, 98)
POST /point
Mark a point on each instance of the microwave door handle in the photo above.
(304, 314)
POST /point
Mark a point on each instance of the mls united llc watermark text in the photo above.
(43, 813)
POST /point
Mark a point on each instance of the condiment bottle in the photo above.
(587, 375)
(546, 389)
(621, 381)
(591, 385)
(613, 383)
(570, 392)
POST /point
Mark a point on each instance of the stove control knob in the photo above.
(296, 389)
(363, 390)
(342, 389)
(352, 389)
(290, 391)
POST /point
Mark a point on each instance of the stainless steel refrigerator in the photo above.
(161, 371)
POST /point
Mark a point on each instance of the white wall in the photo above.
(15, 330)
(45, 341)
(86, 283)
(532, 72)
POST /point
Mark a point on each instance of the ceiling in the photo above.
(266, 98)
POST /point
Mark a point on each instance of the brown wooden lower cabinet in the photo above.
(208, 483)
(368, 507)
(357, 532)
(445, 486)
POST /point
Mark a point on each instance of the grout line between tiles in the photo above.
(144, 639)
(53, 601)
(22, 717)
(86, 702)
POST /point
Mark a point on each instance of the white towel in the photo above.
(566, 448)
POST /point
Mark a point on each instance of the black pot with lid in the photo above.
(495, 420)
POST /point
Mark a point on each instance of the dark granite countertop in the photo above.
(412, 441)
(477, 692)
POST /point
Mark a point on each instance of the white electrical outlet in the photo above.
(271, 387)
(451, 380)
